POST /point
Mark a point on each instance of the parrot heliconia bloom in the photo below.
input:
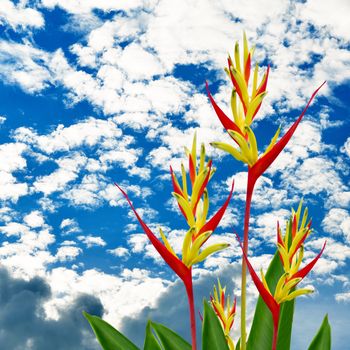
(225, 311)
(291, 251)
(193, 202)
(246, 99)
(245, 104)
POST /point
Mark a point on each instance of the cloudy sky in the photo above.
(100, 91)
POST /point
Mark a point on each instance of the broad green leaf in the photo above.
(170, 340)
(109, 337)
(238, 345)
(260, 336)
(151, 342)
(213, 336)
(322, 340)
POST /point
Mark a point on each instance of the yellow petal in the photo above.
(243, 144)
(186, 208)
(255, 80)
(194, 151)
(202, 158)
(237, 58)
(242, 84)
(196, 245)
(273, 141)
(253, 105)
(166, 242)
(285, 257)
(253, 144)
(186, 245)
(296, 293)
(245, 48)
(230, 149)
(208, 251)
(184, 181)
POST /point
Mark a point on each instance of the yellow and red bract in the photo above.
(291, 249)
(225, 311)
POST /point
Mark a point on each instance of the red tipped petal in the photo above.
(212, 224)
(247, 69)
(279, 240)
(204, 185)
(177, 190)
(294, 226)
(176, 264)
(226, 122)
(263, 86)
(264, 162)
(233, 310)
(299, 244)
(265, 295)
(236, 86)
(306, 269)
(223, 299)
(279, 236)
(262, 89)
(192, 169)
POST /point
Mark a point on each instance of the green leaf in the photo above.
(213, 336)
(109, 337)
(238, 345)
(151, 342)
(322, 340)
(170, 340)
(260, 336)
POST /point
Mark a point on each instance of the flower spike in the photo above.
(245, 107)
(225, 311)
(291, 251)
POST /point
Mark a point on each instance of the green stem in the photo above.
(250, 189)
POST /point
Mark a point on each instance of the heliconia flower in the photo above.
(244, 107)
(193, 202)
(225, 310)
(290, 248)
(195, 209)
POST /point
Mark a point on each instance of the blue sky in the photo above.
(95, 92)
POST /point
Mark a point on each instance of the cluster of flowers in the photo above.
(192, 196)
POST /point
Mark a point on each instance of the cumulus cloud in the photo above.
(18, 15)
(23, 323)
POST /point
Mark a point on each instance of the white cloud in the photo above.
(92, 241)
(86, 6)
(337, 222)
(28, 255)
(119, 252)
(320, 13)
(10, 189)
(85, 133)
(67, 172)
(313, 176)
(265, 225)
(69, 226)
(343, 297)
(346, 147)
(24, 65)
(134, 290)
(19, 15)
(67, 253)
(34, 219)
(134, 60)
